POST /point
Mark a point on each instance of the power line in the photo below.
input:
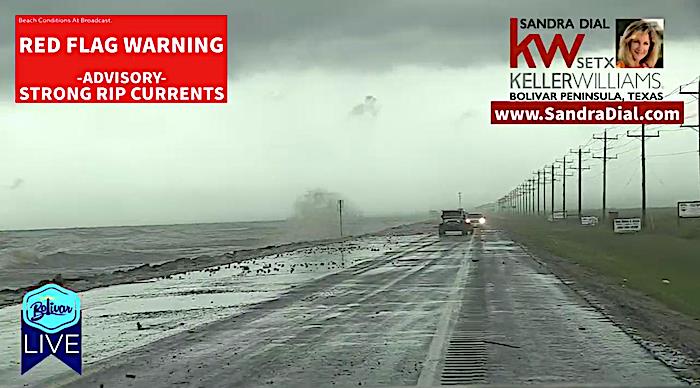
(605, 159)
(643, 137)
(657, 178)
(563, 179)
(580, 153)
(522, 194)
(622, 164)
(632, 176)
(676, 130)
(673, 154)
(696, 126)
(539, 183)
(626, 151)
(626, 144)
(677, 90)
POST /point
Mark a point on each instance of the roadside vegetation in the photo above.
(662, 261)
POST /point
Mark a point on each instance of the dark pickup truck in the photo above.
(455, 221)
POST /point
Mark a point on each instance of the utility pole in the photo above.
(459, 195)
(522, 198)
(580, 168)
(564, 175)
(526, 194)
(605, 158)
(526, 187)
(544, 189)
(532, 196)
(696, 127)
(519, 197)
(340, 211)
(553, 179)
(510, 202)
(538, 192)
(643, 136)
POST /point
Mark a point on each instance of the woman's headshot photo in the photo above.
(639, 43)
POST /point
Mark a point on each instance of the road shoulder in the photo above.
(671, 337)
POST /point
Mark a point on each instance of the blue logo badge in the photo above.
(51, 325)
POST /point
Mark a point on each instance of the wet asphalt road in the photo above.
(473, 309)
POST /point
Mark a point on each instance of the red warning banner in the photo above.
(121, 59)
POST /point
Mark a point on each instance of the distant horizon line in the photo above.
(413, 213)
(32, 229)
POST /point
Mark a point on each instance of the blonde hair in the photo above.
(625, 55)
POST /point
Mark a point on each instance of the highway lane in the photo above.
(471, 309)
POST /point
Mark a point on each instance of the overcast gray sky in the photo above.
(296, 69)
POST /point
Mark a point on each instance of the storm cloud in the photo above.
(367, 35)
(297, 69)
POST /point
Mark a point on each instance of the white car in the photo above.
(476, 219)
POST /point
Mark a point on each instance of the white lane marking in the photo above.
(447, 318)
(400, 278)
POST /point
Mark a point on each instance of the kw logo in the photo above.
(547, 55)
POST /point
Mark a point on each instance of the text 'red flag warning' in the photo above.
(121, 59)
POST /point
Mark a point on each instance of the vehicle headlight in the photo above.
(468, 221)
(482, 220)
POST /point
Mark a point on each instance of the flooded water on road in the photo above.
(165, 306)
